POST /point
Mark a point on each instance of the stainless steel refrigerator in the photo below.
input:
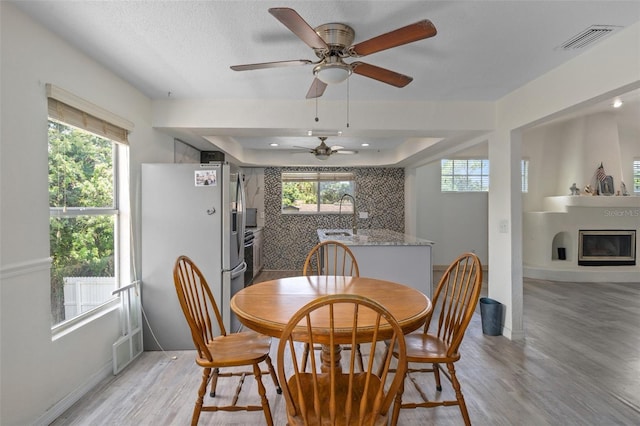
(196, 210)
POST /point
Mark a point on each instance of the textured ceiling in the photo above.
(183, 49)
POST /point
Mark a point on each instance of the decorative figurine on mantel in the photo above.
(574, 189)
(623, 188)
(603, 182)
(588, 190)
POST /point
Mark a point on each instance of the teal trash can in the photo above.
(491, 315)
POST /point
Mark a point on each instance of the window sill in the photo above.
(67, 327)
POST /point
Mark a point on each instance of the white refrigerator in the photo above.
(195, 210)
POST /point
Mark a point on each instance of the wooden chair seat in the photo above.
(358, 397)
(237, 349)
(422, 347)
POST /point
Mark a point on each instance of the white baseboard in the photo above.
(64, 404)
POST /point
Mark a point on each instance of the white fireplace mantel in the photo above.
(558, 225)
(561, 203)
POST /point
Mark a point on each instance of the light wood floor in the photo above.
(579, 365)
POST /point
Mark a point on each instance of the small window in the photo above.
(636, 176)
(318, 192)
(464, 175)
(524, 169)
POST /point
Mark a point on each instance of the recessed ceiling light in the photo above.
(617, 103)
(273, 144)
(365, 144)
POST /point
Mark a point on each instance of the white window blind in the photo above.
(462, 175)
(524, 169)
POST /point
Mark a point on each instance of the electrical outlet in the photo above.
(364, 215)
(504, 226)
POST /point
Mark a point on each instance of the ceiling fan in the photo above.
(333, 42)
(323, 151)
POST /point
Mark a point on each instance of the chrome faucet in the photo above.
(354, 223)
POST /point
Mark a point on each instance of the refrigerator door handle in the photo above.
(237, 271)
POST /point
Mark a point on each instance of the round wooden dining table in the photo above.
(266, 307)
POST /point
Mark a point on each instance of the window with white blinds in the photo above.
(464, 175)
(472, 175)
(524, 171)
(636, 176)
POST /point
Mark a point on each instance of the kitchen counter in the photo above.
(371, 237)
(388, 255)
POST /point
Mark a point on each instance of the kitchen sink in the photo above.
(337, 233)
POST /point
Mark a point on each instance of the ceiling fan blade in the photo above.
(414, 32)
(305, 148)
(277, 64)
(298, 26)
(381, 74)
(346, 151)
(317, 89)
(336, 147)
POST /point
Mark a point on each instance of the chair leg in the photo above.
(436, 374)
(305, 357)
(360, 362)
(214, 382)
(459, 397)
(272, 372)
(201, 391)
(397, 404)
(263, 395)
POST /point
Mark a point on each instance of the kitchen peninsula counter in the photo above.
(371, 237)
(388, 255)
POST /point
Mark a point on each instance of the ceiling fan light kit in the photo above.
(333, 41)
(332, 72)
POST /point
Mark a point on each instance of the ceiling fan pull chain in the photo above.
(317, 119)
(347, 103)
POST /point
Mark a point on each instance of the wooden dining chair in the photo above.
(331, 258)
(454, 302)
(342, 395)
(218, 350)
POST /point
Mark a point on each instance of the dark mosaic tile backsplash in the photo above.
(288, 238)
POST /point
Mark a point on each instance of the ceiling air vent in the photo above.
(588, 36)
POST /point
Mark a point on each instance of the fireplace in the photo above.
(606, 247)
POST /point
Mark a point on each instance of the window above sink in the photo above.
(317, 192)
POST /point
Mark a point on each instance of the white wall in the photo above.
(456, 222)
(569, 152)
(610, 68)
(39, 375)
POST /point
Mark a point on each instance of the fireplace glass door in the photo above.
(607, 247)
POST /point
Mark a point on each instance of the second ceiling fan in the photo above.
(323, 151)
(333, 42)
